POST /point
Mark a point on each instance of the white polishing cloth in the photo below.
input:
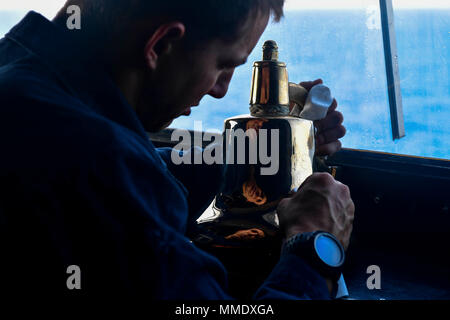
(317, 104)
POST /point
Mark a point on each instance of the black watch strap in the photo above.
(304, 246)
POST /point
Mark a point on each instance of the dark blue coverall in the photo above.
(81, 184)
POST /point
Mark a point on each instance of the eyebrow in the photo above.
(234, 63)
(241, 61)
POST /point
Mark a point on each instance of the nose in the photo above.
(220, 88)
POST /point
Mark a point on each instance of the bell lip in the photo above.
(249, 116)
(274, 63)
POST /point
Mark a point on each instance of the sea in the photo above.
(345, 49)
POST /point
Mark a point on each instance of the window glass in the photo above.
(341, 42)
(423, 40)
(343, 45)
(12, 11)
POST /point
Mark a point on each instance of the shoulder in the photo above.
(22, 77)
(41, 120)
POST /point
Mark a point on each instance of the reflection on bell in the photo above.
(268, 154)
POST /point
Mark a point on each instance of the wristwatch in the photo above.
(321, 250)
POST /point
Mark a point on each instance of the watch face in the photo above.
(329, 250)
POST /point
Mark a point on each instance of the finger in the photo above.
(291, 105)
(351, 211)
(282, 204)
(307, 180)
(347, 237)
(328, 149)
(344, 190)
(309, 84)
(333, 106)
(331, 121)
(330, 135)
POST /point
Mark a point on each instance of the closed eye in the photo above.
(231, 64)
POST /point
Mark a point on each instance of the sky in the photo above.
(427, 131)
(49, 7)
(362, 4)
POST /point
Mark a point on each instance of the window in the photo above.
(342, 43)
(11, 12)
(423, 42)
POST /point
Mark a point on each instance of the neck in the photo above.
(129, 82)
(90, 40)
(99, 46)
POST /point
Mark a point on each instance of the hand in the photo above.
(329, 129)
(321, 203)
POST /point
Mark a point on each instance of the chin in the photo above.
(156, 128)
(165, 126)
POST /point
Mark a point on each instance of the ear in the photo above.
(161, 41)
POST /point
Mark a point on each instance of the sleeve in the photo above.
(148, 211)
(123, 225)
(175, 268)
(202, 181)
(293, 279)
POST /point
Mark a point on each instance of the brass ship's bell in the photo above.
(269, 154)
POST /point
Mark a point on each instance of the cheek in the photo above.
(205, 82)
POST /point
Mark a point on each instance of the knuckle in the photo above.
(345, 190)
(333, 147)
(353, 211)
(282, 204)
(323, 178)
(338, 117)
(342, 131)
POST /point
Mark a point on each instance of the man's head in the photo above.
(167, 54)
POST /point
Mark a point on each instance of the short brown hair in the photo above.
(203, 18)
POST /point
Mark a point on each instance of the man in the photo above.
(81, 184)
